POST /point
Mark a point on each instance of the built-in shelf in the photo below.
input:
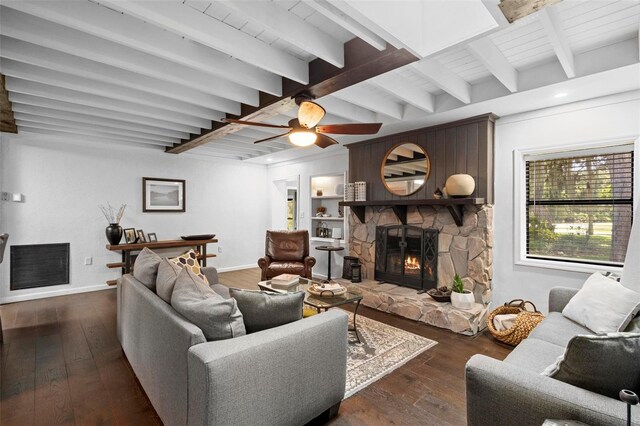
(454, 205)
(328, 197)
(328, 218)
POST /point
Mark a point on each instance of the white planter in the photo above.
(460, 186)
(464, 300)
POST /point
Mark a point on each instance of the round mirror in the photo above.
(405, 169)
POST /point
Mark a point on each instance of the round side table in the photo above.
(329, 249)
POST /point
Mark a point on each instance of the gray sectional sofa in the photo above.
(286, 375)
(513, 391)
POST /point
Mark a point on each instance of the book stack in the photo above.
(285, 281)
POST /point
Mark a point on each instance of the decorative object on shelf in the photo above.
(460, 185)
(163, 195)
(461, 298)
(350, 191)
(441, 294)
(320, 210)
(339, 189)
(361, 191)
(319, 192)
(141, 238)
(336, 233)
(304, 131)
(340, 211)
(198, 237)
(322, 230)
(437, 194)
(130, 235)
(356, 272)
(114, 230)
(151, 236)
(113, 233)
(405, 169)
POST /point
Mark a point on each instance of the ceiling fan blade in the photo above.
(272, 137)
(350, 129)
(254, 123)
(324, 141)
(310, 114)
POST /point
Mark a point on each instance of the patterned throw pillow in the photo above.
(189, 260)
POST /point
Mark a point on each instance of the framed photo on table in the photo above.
(163, 195)
(130, 235)
(141, 238)
(152, 238)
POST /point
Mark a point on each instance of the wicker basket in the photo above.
(525, 322)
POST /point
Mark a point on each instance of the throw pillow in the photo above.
(262, 310)
(167, 275)
(145, 269)
(190, 260)
(218, 318)
(601, 364)
(603, 305)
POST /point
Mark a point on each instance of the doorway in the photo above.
(285, 200)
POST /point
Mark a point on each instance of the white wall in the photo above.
(608, 118)
(63, 185)
(324, 163)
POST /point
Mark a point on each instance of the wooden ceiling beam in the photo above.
(361, 62)
(7, 120)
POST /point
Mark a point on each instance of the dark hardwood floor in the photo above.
(62, 364)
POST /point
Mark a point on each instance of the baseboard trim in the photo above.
(53, 293)
(237, 268)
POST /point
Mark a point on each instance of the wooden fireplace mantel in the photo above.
(454, 205)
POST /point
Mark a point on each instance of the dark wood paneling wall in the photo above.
(464, 146)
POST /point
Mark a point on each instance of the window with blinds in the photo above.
(579, 206)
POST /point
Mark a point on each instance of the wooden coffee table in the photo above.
(318, 302)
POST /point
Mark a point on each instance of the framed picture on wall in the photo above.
(163, 195)
(130, 235)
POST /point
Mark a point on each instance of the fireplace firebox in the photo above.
(407, 255)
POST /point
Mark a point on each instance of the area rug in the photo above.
(383, 348)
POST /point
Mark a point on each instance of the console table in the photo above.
(127, 249)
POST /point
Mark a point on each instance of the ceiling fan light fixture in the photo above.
(302, 137)
(310, 114)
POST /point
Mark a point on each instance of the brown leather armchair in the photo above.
(286, 252)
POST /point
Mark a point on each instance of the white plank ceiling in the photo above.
(150, 73)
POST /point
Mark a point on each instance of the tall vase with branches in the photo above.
(113, 216)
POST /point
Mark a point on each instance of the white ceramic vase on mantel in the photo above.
(464, 300)
(460, 185)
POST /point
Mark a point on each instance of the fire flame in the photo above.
(411, 263)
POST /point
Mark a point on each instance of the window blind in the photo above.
(579, 207)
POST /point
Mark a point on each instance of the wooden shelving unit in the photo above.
(126, 249)
(454, 205)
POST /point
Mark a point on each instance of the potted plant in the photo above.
(461, 298)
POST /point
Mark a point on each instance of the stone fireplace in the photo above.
(465, 250)
(407, 255)
(403, 210)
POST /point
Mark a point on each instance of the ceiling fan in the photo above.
(304, 131)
